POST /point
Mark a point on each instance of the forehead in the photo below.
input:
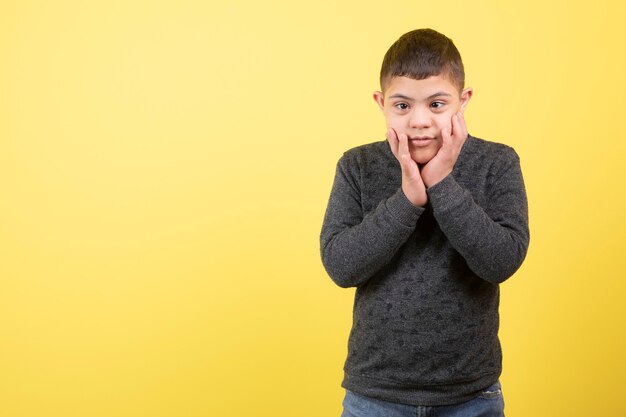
(420, 89)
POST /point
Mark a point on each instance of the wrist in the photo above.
(431, 180)
(415, 198)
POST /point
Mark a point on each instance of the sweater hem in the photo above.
(418, 395)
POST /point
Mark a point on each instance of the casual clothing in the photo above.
(425, 321)
(488, 403)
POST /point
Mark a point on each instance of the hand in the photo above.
(443, 162)
(412, 185)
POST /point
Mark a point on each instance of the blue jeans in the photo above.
(489, 403)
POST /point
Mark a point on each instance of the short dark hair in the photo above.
(420, 54)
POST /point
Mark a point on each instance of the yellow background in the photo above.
(164, 171)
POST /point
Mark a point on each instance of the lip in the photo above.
(421, 141)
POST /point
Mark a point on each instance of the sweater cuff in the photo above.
(446, 194)
(402, 209)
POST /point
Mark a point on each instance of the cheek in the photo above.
(444, 121)
(395, 123)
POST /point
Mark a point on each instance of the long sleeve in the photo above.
(355, 246)
(425, 318)
(493, 242)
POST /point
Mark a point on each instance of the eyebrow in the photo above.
(440, 93)
(402, 96)
(437, 94)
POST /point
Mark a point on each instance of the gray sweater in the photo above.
(425, 321)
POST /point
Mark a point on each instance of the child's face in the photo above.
(421, 109)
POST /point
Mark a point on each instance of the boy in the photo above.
(425, 225)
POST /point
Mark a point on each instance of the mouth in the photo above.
(421, 141)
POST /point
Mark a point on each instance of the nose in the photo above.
(420, 118)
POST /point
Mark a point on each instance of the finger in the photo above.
(407, 164)
(459, 129)
(446, 136)
(392, 138)
(463, 125)
(403, 151)
(403, 146)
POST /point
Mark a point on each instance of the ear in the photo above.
(466, 95)
(379, 98)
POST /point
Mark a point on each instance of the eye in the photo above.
(401, 106)
(437, 104)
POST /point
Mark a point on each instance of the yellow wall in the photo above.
(164, 170)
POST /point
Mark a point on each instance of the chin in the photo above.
(423, 156)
